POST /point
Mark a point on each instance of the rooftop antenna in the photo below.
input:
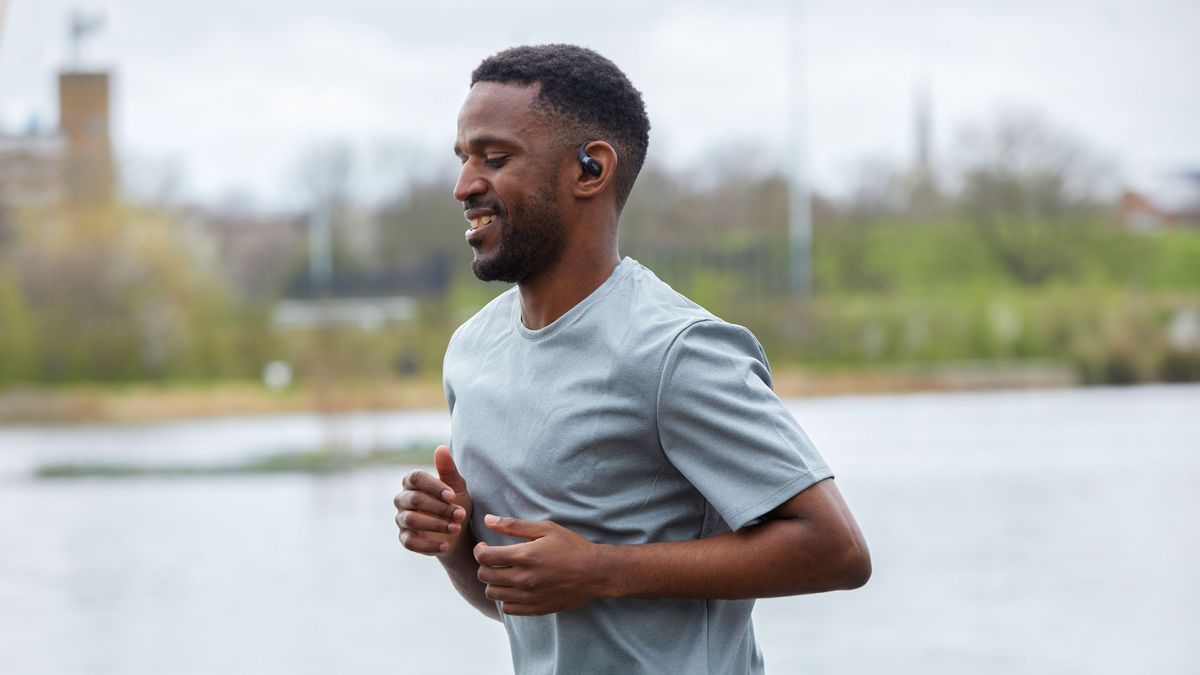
(82, 25)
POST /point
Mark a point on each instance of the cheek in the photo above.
(557, 201)
(552, 193)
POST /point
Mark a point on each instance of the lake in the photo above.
(1011, 532)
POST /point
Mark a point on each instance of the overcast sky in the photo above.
(228, 94)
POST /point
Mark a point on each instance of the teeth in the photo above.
(479, 222)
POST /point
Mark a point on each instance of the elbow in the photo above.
(855, 567)
(858, 573)
(840, 563)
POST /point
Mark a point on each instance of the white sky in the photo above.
(230, 93)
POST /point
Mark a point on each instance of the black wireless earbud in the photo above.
(589, 165)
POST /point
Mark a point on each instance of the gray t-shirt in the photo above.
(636, 417)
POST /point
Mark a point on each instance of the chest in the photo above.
(566, 436)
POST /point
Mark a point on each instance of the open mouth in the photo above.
(480, 222)
(479, 226)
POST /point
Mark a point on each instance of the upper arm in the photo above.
(820, 501)
(828, 518)
(723, 427)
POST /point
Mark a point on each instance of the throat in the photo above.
(545, 299)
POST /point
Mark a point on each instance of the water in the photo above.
(1015, 532)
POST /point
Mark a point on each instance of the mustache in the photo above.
(493, 205)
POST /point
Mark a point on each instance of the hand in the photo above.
(432, 513)
(555, 571)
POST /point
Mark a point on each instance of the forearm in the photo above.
(463, 571)
(789, 556)
(808, 544)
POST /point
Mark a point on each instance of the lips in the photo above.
(481, 221)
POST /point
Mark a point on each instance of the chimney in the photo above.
(83, 99)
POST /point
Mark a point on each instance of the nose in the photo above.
(469, 183)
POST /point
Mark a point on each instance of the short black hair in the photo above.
(585, 90)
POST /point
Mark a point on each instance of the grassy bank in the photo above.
(151, 402)
(305, 462)
(899, 305)
(148, 403)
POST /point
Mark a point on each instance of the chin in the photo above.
(488, 269)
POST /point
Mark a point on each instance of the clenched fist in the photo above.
(432, 512)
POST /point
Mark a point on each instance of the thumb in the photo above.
(447, 470)
(525, 529)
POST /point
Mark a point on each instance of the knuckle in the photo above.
(417, 500)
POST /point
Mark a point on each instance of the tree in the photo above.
(18, 343)
(846, 238)
(1032, 192)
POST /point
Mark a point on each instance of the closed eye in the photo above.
(496, 162)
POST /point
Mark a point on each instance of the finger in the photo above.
(413, 541)
(506, 594)
(423, 522)
(423, 481)
(448, 470)
(410, 500)
(500, 556)
(502, 576)
(525, 529)
(520, 609)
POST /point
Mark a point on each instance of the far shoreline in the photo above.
(152, 402)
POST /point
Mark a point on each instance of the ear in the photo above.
(587, 185)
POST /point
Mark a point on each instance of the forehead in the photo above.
(496, 110)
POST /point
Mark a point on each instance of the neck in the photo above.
(578, 272)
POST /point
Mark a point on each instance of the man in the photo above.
(623, 482)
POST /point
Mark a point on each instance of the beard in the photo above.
(530, 242)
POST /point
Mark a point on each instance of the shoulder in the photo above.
(653, 306)
(660, 332)
(714, 354)
(719, 338)
(465, 342)
(659, 308)
(493, 317)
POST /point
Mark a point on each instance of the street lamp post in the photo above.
(799, 190)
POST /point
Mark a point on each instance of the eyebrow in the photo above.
(483, 142)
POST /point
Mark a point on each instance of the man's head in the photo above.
(520, 129)
(584, 95)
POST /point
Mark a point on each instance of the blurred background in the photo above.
(966, 233)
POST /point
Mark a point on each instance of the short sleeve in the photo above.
(725, 429)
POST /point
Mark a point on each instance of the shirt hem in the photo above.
(779, 496)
